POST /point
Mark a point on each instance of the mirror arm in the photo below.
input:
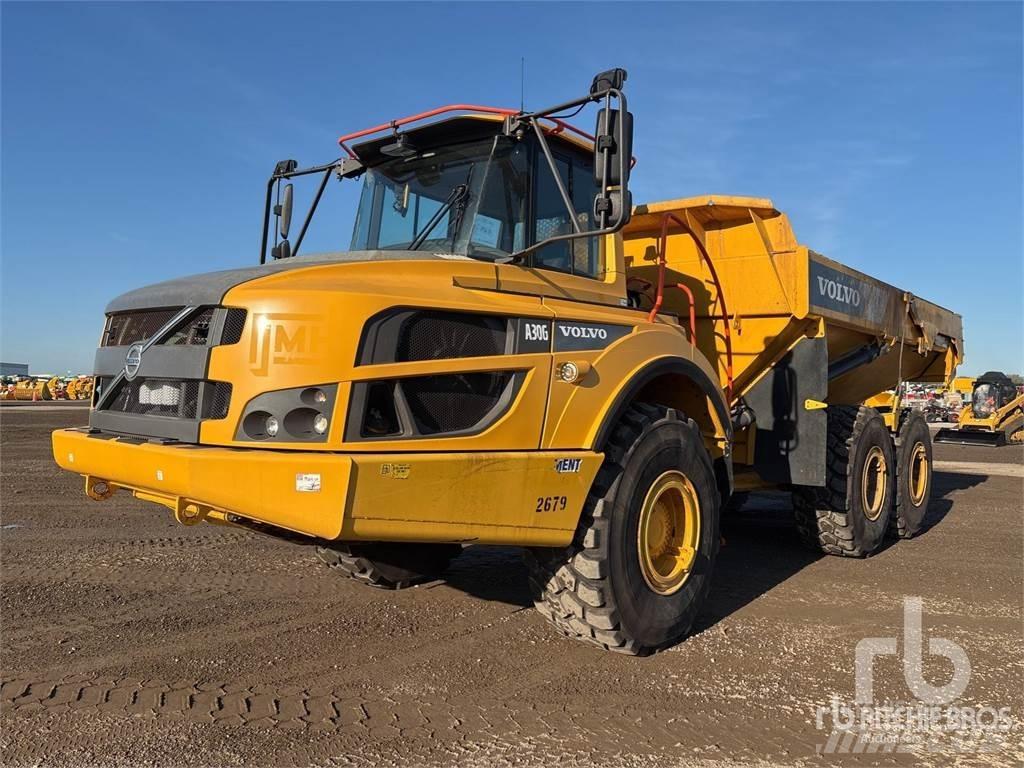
(624, 166)
(312, 210)
(558, 179)
(520, 255)
(625, 159)
(604, 154)
(306, 171)
(346, 168)
(557, 108)
(266, 220)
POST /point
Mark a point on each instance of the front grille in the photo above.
(157, 397)
(233, 325)
(194, 331)
(99, 387)
(125, 328)
(447, 335)
(175, 398)
(453, 402)
(217, 400)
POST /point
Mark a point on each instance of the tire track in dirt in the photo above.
(263, 629)
(384, 721)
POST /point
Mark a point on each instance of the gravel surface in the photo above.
(126, 639)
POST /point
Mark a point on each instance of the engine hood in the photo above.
(210, 288)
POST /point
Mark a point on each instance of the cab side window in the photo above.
(577, 257)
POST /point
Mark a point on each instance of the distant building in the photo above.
(13, 369)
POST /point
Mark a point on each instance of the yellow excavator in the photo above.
(994, 415)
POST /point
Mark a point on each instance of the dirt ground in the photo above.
(129, 640)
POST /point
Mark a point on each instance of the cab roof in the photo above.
(455, 130)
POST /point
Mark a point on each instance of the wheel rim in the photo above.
(918, 474)
(669, 533)
(873, 483)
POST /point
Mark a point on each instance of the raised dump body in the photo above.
(801, 327)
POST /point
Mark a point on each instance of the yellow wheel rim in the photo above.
(918, 474)
(873, 482)
(669, 533)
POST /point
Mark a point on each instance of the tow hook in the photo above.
(190, 513)
(98, 489)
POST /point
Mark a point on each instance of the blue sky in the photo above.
(137, 138)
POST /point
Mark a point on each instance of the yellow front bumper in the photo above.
(527, 498)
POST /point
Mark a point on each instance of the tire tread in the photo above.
(822, 514)
(571, 586)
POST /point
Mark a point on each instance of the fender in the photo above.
(692, 371)
(648, 373)
(580, 416)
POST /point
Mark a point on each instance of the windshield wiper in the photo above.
(459, 194)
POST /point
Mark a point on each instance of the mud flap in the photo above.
(791, 439)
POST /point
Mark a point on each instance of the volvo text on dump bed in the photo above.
(510, 352)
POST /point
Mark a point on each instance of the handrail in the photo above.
(659, 297)
(693, 310)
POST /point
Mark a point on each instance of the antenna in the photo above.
(522, 83)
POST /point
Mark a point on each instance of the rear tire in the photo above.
(913, 476)
(389, 565)
(639, 567)
(850, 515)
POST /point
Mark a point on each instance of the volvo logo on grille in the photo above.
(132, 361)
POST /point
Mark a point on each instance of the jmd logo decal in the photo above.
(284, 339)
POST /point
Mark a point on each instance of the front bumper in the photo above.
(509, 497)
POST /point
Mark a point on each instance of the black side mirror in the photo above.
(613, 147)
(283, 211)
(613, 155)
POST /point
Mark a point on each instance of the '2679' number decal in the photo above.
(551, 503)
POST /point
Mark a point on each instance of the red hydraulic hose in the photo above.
(662, 249)
(693, 311)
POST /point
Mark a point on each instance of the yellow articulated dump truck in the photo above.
(512, 353)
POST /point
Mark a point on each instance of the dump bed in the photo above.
(778, 292)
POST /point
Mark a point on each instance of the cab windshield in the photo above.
(432, 202)
(486, 199)
(985, 401)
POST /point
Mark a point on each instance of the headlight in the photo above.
(295, 415)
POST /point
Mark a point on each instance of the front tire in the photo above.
(389, 565)
(850, 515)
(640, 564)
